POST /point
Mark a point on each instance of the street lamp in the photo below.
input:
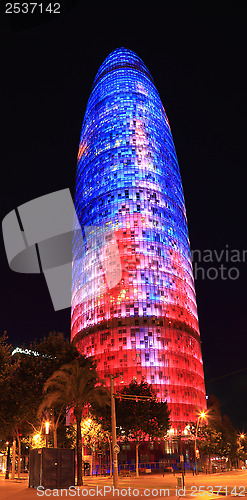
(241, 447)
(202, 415)
(47, 427)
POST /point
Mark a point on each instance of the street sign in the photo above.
(181, 458)
(116, 448)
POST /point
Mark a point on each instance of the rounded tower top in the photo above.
(121, 58)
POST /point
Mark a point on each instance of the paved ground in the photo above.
(208, 487)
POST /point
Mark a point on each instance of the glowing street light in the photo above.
(36, 438)
(187, 430)
(201, 416)
(47, 427)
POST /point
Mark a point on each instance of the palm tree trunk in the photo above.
(54, 426)
(55, 435)
(79, 451)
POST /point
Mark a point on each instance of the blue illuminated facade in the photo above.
(128, 182)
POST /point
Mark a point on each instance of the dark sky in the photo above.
(197, 57)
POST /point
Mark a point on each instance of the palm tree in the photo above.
(73, 386)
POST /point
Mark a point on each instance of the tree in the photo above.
(242, 447)
(229, 440)
(92, 432)
(102, 415)
(5, 359)
(140, 415)
(23, 373)
(12, 405)
(75, 385)
(209, 438)
(218, 437)
(54, 351)
(7, 370)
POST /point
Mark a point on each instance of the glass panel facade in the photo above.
(129, 201)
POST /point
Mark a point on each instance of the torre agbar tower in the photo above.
(143, 326)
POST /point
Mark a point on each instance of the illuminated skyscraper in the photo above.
(128, 182)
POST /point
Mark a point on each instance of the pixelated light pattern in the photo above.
(128, 183)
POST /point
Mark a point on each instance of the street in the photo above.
(209, 486)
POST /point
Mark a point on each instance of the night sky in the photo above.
(197, 57)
